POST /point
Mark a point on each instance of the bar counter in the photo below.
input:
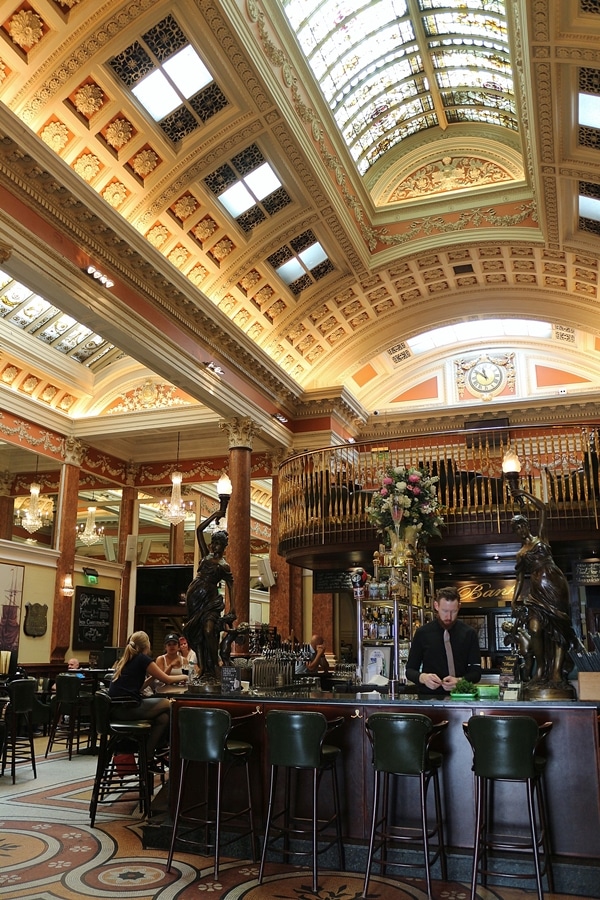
(572, 774)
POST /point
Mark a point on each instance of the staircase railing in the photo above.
(324, 494)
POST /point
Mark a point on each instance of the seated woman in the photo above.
(189, 657)
(171, 662)
(130, 673)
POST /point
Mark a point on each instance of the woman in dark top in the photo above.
(135, 667)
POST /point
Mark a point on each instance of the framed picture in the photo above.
(479, 623)
(11, 590)
(93, 622)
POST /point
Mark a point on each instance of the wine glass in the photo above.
(397, 513)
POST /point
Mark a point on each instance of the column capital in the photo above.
(131, 471)
(73, 451)
(5, 252)
(240, 431)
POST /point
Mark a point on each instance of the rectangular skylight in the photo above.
(589, 208)
(187, 71)
(290, 271)
(589, 110)
(313, 255)
(262, 181)
(237, 199)
(156, 95)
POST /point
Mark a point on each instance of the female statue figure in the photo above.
(205, 604)
(546, 612)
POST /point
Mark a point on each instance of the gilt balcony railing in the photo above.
(324, 494)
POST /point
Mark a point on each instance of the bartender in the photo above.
(444, 650)
(314, 660)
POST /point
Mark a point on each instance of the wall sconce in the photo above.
(224, 489)
(511, 468)
(67, 589)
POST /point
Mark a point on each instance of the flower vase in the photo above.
(404, 544)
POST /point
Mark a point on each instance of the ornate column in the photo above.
(7, 506)
(67, 519)
(126, 527)
(177, 545)
(240, 432)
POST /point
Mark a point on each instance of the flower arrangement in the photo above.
(407, 497)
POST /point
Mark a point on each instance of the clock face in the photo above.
(485, 377)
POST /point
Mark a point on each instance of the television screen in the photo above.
(162, 585)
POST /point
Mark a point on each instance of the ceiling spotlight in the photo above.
(281, 418)
(212, 365)
(95, 273)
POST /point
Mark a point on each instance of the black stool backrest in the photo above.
(295, 738)
(102, 704)
(67, 688)
(399, 742)
(203, 734)
(503, 746)
(21, 692)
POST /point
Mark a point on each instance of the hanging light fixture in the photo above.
(175, 510)
(32, 518)
(90, 533)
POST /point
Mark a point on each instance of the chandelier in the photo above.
(175, 510)
(35, 514)
(32, 519)
(90, 533)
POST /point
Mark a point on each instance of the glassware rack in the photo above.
(390, 607)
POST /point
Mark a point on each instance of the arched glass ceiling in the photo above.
(478, 330)
(390, 68)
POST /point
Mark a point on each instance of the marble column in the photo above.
(67, 520)
(7, 506)
(126, 527)
(240, 432)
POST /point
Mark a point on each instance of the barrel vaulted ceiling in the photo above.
(331, 180)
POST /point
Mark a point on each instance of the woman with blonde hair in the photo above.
(131, 671)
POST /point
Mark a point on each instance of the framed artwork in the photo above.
(11, 592)
(479, 623)
(93, 622)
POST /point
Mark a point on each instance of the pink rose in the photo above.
(384, 492)
(388, 480)
(414, 478)
(416, 490)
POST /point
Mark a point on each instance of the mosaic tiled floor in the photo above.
(49, 852)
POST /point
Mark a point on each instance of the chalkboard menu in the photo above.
(326, 582)
(93, 623)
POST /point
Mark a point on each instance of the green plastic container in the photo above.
(488, 691)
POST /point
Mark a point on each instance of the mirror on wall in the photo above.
(32, 481)
(98, 516)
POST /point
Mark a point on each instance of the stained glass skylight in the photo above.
(391, 68)
(23, 309)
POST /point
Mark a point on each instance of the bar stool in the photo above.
(204, 737)
(18, 717)
(400, 743)
(69, 701)
(505, 749)
(295, 741)
(112, 782)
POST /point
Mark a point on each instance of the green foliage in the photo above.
(464, 686)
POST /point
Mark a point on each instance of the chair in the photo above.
(296, 741)
(401, 747)
(118, 777)
(204, 737)
(69, 708)
(18, 747)
(42, 710)
(505, 749)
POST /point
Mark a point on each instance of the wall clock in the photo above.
(485, 377)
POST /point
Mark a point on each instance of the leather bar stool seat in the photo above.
(122, 767)
(18, 742)
(296, 741)
(401, 748)
(205, 739)
(70, 714)
(505, 748)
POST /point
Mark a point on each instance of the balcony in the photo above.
(324, 494)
